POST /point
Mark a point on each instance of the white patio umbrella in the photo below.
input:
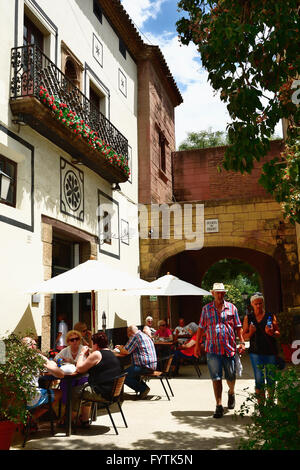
(90, 276)
(169, 285)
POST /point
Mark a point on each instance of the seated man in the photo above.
(181, 333)
(41, 396)
(143, 357)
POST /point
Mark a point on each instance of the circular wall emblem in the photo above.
(72, 190)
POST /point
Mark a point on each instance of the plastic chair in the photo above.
(162, 374)
(28, 425)
(118, 383)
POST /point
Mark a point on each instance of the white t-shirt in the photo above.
(63, 329)
(66, 354)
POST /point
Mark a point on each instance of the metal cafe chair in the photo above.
(162, 374)
(99, 403)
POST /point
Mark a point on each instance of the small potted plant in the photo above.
(285, 323)
(19, 366)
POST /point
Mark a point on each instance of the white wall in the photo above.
(21, 251)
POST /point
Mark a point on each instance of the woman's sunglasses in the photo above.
(74, 339)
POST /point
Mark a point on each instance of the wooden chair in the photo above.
(162, 374)
(118, 383)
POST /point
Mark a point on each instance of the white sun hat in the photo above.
(218, 287)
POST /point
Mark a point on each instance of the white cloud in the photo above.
(201, 107)
(141, 10)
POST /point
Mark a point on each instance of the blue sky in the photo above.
(202, 108)
(156, 21)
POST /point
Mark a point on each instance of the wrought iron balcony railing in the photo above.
(31, 69)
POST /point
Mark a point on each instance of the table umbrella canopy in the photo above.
(169, 285)
(90, 276)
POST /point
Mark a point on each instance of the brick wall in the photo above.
(155, 113)
(196, 177)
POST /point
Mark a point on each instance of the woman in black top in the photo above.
(102, 367)
(261, 329)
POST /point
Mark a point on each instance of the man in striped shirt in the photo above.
(220, 323)
(144, 359)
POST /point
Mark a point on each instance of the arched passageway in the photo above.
(191, 266)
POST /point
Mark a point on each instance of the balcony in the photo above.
(45, 99)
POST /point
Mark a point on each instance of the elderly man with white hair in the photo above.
(261, 329)
(144, 359)
(220, 323)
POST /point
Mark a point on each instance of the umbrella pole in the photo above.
(169, 313)
(93, 311)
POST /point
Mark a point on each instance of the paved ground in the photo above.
(184, 423)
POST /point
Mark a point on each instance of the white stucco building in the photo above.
(60, 187)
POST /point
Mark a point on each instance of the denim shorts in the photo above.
(43, 400)
(217, 362)
(260, 364)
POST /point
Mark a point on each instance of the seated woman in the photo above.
(102, 367)
(186, 350)
(149, 324)
(86, 335)
(163, 331)
(70, 354)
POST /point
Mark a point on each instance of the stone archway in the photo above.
(254, 228)
(192, 266)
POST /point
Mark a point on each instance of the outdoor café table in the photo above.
(164, 348)
(68, 378)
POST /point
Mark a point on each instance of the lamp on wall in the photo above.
(4, 185)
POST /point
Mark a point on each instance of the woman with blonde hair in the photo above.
(71, 353)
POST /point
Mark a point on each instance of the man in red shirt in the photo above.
(220, 323)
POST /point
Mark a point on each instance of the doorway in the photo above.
(66, 254)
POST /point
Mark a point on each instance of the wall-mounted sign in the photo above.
(211, 225)
(152, 298)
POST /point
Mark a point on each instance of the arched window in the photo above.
(71, 72)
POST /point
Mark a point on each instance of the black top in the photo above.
(101, 375)
(260, 342)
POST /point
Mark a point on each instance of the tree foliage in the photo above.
(275, 422)
(239, 278)
(250, 49)
(203, 139)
